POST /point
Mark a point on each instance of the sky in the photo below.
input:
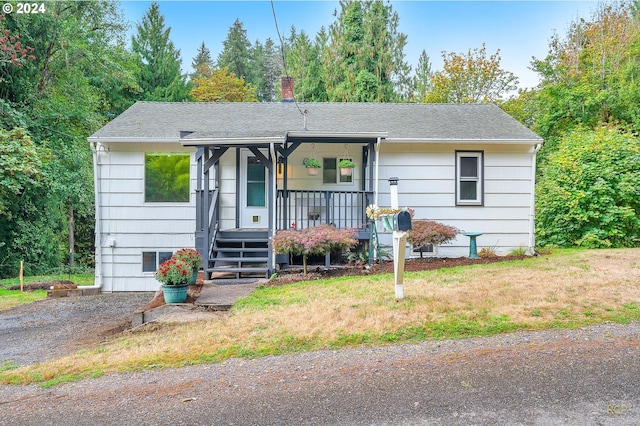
(520, 29)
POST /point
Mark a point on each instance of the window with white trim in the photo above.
(469, 178)
(332, 174)
(152, 259)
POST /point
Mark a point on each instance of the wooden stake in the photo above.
(21, 275)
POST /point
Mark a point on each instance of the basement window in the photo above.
(428, 250)
(152, 259)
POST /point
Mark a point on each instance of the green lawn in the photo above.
(11, 298)
(565, 289)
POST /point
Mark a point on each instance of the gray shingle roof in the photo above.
(161, 120)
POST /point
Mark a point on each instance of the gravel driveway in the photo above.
(589, 376)
(54, 327)
(580, 377)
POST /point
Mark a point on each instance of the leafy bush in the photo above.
(424, 232)
(174, 272)
(589, 192)
(319, 239)
(190, 256)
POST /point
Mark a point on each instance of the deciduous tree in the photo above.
(221, 86)
(589, 194)
(473, 77)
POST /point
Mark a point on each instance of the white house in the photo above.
(224, 177)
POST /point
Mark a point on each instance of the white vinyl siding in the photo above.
(297, 177)
(134, 225)
(427, 181)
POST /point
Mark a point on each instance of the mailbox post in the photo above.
(401, 224)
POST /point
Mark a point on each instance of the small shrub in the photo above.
(519, 251)
(425, 232)
(487, 252)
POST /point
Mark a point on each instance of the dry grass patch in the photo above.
(565, 289)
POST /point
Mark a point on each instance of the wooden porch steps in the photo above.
(241, 253)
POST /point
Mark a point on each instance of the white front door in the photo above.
(254, 204)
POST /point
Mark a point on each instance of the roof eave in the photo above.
(231, 141)
(99, 139)
(533, 141)
(306, 134)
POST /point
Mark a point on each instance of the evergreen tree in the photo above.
(202, 58)
(266, 68)
(364, 57)
(236, 52)
(304, 63)
(157, 59)
(422, 79)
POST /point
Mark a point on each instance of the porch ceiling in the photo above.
(192, 139)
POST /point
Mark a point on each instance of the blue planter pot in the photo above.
(174, 293)
(194, 277)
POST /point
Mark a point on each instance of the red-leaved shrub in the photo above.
(424, 232)
(319, 239)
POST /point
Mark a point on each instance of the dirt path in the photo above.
(580, 377)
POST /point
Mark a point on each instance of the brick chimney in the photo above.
(286, 90)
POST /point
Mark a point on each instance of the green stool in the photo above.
(473, 249)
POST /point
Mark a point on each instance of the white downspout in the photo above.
(98, 217)
(376, 171)
(532, 212)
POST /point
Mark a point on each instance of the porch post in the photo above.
(272, 167)
(204, 210)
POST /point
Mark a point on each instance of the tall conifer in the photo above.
(158, 60)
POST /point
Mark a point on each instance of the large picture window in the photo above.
(469, 178)
(166, 177)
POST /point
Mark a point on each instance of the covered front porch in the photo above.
(247, 190)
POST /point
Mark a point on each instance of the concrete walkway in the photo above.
(216, 296)
(221, 294)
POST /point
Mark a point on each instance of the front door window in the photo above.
(256, 183)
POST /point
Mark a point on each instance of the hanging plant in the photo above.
(346, 164)
(312, 162)
(312, 166)
(346, 167)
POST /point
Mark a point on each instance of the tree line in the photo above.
(66, 72)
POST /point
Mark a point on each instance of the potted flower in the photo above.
(174, 274)
(312, 166)
(192, 258)
(346, 167)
